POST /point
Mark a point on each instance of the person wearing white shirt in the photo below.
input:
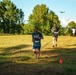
(73, 31)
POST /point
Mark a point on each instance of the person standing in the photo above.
(36, 39)
(55, 30)
(73, 31)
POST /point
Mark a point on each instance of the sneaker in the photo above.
(56, 45)
(53, 46)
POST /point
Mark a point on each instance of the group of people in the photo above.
(37, 36)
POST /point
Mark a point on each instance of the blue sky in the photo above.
(55, 5)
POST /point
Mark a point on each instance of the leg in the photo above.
(38, 51)
(34, 50)
(56, 41)
(53, 41)
(37, 54)
(73, 34)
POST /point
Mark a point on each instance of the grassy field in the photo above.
(17, 58)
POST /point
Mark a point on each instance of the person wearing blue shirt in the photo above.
(36, 39)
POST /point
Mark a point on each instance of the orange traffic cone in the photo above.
(61, 61)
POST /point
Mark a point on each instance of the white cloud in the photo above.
(73, 20)
(65, 21)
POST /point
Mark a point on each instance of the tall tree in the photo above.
(39, 15)
(43, 18)
(70, 25)
(11, 16)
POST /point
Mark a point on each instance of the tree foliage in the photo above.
(11, 17)
(43, 18)
(70, 25)
(12, 20)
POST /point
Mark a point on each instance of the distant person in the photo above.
(36, 39)
(73, 31)
(55, 31)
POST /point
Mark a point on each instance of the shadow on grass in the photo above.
(72, 45)
(68, 55)
(37, 69)
(60, 50)
(14, 54)
(43, 66)
(29, 69)
(17, 47)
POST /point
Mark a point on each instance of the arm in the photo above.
(58, 30)
(41, 36)
(32, 38)
(52, 30)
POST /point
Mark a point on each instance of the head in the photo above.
(55, 25)
(36, 29)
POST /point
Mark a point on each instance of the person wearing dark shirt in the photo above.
(36, 39)
(55, 31)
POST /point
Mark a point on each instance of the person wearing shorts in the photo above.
(73, 31)
(55, 31)
(36, 39)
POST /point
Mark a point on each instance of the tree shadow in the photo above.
(29, 69)
(41, 67)
(15, 53)
(17, 47)
(68, 54)
(72, 45)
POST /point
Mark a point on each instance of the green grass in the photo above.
(17, 58)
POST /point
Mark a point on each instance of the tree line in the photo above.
(12, 20)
